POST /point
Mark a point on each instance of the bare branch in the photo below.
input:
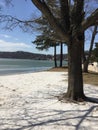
(13, 22)
(91, 20)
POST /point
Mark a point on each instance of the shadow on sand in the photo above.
(45, 118)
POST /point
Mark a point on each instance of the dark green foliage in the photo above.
(43, 42)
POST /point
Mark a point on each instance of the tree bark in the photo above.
(75, 78)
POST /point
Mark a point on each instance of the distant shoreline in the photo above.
(25, 55)
(28, 55)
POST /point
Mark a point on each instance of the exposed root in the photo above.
(65, 99)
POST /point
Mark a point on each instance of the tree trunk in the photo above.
(61, 54)
(55, 61)
(75, 78)
(86, 63)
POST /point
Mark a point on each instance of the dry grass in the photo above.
(89, 78)
(59, 69)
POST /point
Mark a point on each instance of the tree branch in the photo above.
(77, 12)
(91, 20)
(65, 14)
(77, 17)
(51, 19)
(12, 22)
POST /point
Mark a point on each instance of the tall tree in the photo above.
(71, 30)
(86, 61)
(69, 24)
(44, 43)
(48, 33)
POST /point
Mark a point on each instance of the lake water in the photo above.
(12, 66)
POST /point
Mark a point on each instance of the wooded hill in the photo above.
(25, 55)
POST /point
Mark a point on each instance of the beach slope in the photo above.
(28, 102)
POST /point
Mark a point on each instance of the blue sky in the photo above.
(17, 40)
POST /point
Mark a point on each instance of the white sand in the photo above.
(28, 102)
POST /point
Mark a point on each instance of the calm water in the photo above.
(12, 66)
(9, 66)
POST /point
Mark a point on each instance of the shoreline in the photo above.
(12, 71)
(15, 72)
(88, 78)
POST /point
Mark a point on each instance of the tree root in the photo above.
(65, 99)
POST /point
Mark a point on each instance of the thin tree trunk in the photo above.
(61, 54)
(55, 61)
(86, 63)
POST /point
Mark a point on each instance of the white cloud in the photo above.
(5, 36)
(14, 46)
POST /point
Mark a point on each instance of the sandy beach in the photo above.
(28, 102)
